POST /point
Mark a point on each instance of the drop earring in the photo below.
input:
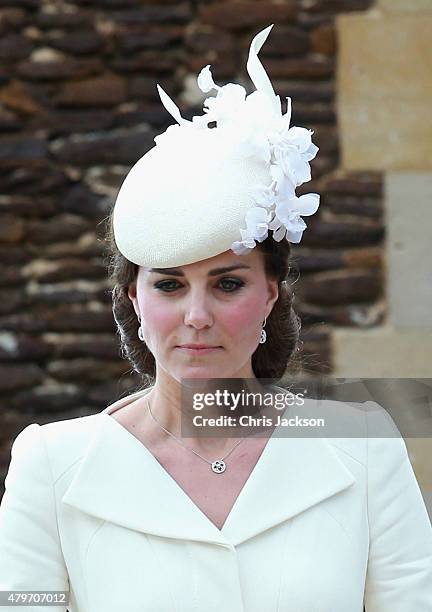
(140, 331)
(263, 336)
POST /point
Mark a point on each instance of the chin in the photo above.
(202, 372)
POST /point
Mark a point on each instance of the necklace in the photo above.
(218, 466)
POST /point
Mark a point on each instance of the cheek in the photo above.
(159, 316)
(242, 318)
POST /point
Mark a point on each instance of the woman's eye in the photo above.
(166, 285)
(233, 285)
(229, 285)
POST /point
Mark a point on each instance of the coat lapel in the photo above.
(120, 481)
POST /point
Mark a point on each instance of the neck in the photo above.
(171, 406)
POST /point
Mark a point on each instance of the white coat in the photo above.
(321, 525)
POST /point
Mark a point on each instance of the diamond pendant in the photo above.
(218, 466)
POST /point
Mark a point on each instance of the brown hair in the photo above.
(270, 360)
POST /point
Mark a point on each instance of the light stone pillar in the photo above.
(384, 101)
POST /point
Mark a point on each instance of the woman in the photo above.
(126, 514)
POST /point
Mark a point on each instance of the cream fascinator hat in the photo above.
(204, 190)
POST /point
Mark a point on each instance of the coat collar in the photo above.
(119, 480)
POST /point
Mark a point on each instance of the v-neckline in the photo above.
(169, 478)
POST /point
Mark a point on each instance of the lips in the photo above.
(192, 349)
(197, 346)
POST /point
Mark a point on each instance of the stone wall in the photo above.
(78, 106)
(384, 96)
(384, 100)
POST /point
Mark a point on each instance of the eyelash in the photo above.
(238, 285)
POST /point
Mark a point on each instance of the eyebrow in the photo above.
(215, 272)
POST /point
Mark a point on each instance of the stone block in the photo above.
(11, 229)
(350, 315)
(56, 70)
(105, 91)
(305, 68)
(119, 146)
(382, 353)
(14, 47)
(153, 13)
(247, 14)
(323, 39)
(413, 6)
(18, 97)
(22, 148)
(130, 41)
(79, 42)
(284, 41)
(409, 260)
(333, 232)
(19, 376)
(385, 90)
(335, 6)
(342, 287)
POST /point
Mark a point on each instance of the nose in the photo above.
(197, 312)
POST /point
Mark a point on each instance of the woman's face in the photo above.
(220, 302)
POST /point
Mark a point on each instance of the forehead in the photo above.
(228, 259)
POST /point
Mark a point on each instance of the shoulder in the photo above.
(62, 443)
(352, 429)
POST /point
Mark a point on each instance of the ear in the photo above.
(132, 296)
(273, 294)
(132, 290)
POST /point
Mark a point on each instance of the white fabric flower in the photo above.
(255, 126)
(299, 137)
(254, 144)
(288, 222)
(305, 205)
(245, 245)
(293, 155)
(205, 80)
(259, 105)
(285, 186)
(257, 220)
(264, 196)
(227, 106)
